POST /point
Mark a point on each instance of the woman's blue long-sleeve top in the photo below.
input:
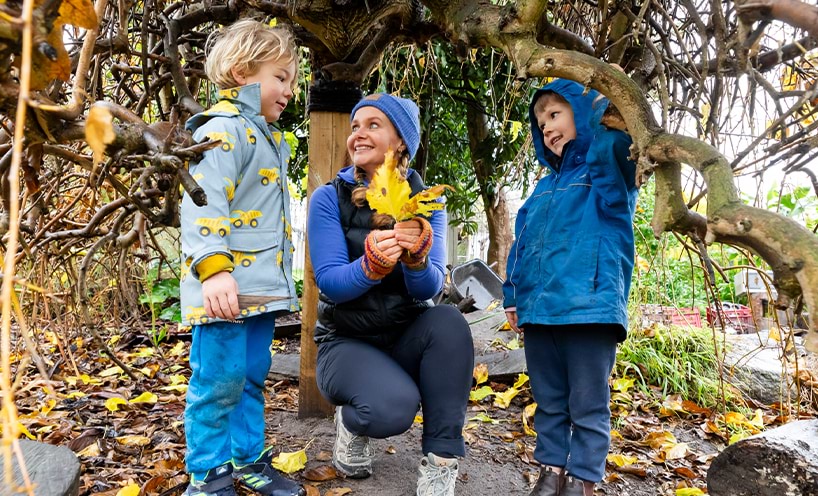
(342, 279)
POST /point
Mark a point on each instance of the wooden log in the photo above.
(328, 155)
(53, 470)
(779, 462)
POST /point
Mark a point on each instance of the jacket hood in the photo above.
(581, 104)
(347, 174)
(245, 100)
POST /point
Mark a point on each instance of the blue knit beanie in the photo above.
(402, 113)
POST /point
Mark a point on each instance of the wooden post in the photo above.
(328, 154)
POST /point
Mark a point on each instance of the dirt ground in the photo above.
(494, 464)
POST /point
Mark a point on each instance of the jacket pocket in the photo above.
(569, 270)
(251, 241)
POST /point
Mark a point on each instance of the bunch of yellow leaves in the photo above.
(389, 192)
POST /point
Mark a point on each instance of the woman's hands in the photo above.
(381, 253)
(415, 236)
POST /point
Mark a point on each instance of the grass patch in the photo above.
(675, 360)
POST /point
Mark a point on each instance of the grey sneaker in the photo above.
(217, 482)
(353, 454)
(437, 476)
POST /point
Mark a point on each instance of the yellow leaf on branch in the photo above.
(99, 131)
(389, 193)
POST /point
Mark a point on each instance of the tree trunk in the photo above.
(778, 462)
(494, 198)
(328, 154)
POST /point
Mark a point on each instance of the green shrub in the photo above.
(684, 361)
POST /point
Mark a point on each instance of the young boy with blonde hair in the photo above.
(237, 259)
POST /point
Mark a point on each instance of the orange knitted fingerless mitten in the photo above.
(415, 257)
(376, 265)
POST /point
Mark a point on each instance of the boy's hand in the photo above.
(511, 315)
(220, 293)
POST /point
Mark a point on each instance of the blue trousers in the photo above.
(569, 367)
(224, 413)
(431, 366)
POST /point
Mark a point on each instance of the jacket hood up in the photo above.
(581, 101)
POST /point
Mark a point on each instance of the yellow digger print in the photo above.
(218, 225)
(268, 175)
(240, 217)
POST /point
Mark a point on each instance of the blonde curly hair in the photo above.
(243, 46)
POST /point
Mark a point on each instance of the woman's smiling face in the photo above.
(372, 135)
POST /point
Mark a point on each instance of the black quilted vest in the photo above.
(380, 315)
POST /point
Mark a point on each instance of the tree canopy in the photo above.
(723, 88)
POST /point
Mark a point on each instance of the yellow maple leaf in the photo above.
(480, 393)
(290, 462)
(621, 460)
(424, 203)
(146, 397)
(389, 192)
(480, 373)
(528, 419)
(133, 440)
(689, 491)
(99, 131)
(503, 400)
(129, 490)
(522, 378)
(79, 13)
(112, 404)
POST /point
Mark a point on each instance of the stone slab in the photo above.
(54, 470)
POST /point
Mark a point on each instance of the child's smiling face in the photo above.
(556, 121)
(276, 78)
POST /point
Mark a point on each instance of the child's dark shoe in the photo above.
(548, 484)
(577, 487)
(261, 477)
(217, 482)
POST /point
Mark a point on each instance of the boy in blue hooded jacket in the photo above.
(568, 277)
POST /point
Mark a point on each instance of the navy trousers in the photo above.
(430, 366)
(569, 367)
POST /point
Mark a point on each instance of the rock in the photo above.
(285, 366)
(753, 364)
(484, 326)
(54, 470)
(503, 365)
(779, 462)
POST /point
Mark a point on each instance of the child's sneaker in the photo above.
(261, 477)
(437, 476)
(217, 482)
(353, 454)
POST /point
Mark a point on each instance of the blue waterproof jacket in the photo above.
(572, 258)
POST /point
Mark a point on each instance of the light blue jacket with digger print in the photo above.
(247, 215)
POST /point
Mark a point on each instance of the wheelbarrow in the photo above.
(475, 280)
